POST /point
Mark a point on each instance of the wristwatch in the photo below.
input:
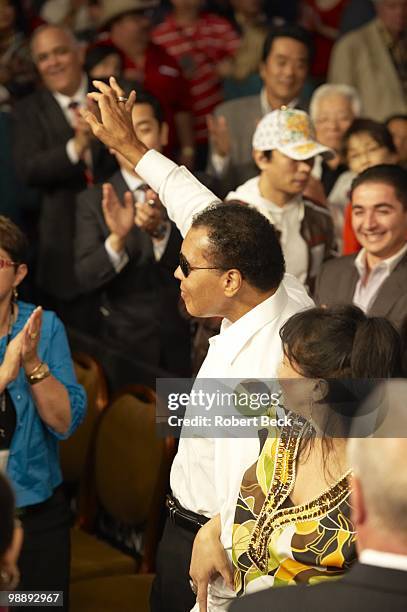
(39, 373)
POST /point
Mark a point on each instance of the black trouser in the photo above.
(44, 561)
(171, 591)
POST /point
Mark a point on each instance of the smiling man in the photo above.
(56, 154)
(376, 278)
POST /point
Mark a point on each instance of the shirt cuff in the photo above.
(118, 260)
(154, 169)
(71, 151)
(219, 163)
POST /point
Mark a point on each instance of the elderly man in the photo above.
(286, 58)
(284, 149)
(56, 153)
(376, 278)
(332, 110)
(373, 59)
(231, 266)
(379, 498)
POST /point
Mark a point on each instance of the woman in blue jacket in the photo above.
(40, 403)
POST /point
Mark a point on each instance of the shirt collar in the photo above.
(389, 264)
(234, 336)
(79, 96)
(383, 559)
(265, 105)
(132, 182)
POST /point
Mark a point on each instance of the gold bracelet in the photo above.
(42, 371)
(35, 369)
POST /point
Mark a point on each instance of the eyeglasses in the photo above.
(7, 263)
(186, 268)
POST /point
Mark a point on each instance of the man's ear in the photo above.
(260, 159)
(21, 273)
(232, 282)
(358, 507)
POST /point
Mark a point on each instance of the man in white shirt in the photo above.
(284, 149)
(231, 266)
(127, 254)
(376, 278)
(379, 499)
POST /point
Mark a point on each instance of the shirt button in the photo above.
(18, 397)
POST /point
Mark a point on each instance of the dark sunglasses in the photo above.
(186, 268)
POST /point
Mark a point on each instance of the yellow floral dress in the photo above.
(276, 543)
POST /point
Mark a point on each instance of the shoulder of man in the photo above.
(239, 108)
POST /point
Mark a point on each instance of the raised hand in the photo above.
(219, 135)
(31, 337)
(11, 362)
(149, 217)
(119, 216)
(115, 127)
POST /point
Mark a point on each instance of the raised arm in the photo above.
(179, 191)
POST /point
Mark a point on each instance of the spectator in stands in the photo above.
(332, 109)
(130, 257)
(366, 143)
(55, 153)
(41, 403)
(378, 509)
(102, 62)
(287, 54)
(376, 278)
(81, 16)
(322, 18)
(397, 125)
(128, 24)
(204, 45)
(284, 148)
(11, 538)
(373, 59)
(17, 72)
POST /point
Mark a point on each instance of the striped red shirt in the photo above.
(198, 48)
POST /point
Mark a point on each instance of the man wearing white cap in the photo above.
(284, 149)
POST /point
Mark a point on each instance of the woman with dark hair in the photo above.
(40, 403)
(291, 522)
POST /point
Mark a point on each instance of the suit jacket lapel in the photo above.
(56, 120)
(390, 291)
(350, 279)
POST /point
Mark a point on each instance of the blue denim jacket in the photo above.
(33, 464)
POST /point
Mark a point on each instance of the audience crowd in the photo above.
(242, 215)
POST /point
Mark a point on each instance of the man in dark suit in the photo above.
(55, 153)
(128, 251)
(287, 55)
(376, 278)
(378, 581)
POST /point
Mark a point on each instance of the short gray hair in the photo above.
(380, 464)
(331, 89)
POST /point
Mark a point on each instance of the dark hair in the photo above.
(351, 352)
(7, 515)
(378, 131)
(145, 97)
(242, 238)
(288, 31)
(387, 174)
(342, 342)
(13, 240)
(400, 117)
(97, 53)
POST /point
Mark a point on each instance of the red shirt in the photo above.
(350, 244)
(198, 49)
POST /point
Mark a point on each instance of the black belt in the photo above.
(184, 518)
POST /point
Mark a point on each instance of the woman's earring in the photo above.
(15, 294)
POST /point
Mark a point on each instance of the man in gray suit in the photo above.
(376, 278)
(287, 54)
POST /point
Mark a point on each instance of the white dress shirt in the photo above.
(383, 559)
(286, 219)
(367, 288)
(207, 472)
(64, 102)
